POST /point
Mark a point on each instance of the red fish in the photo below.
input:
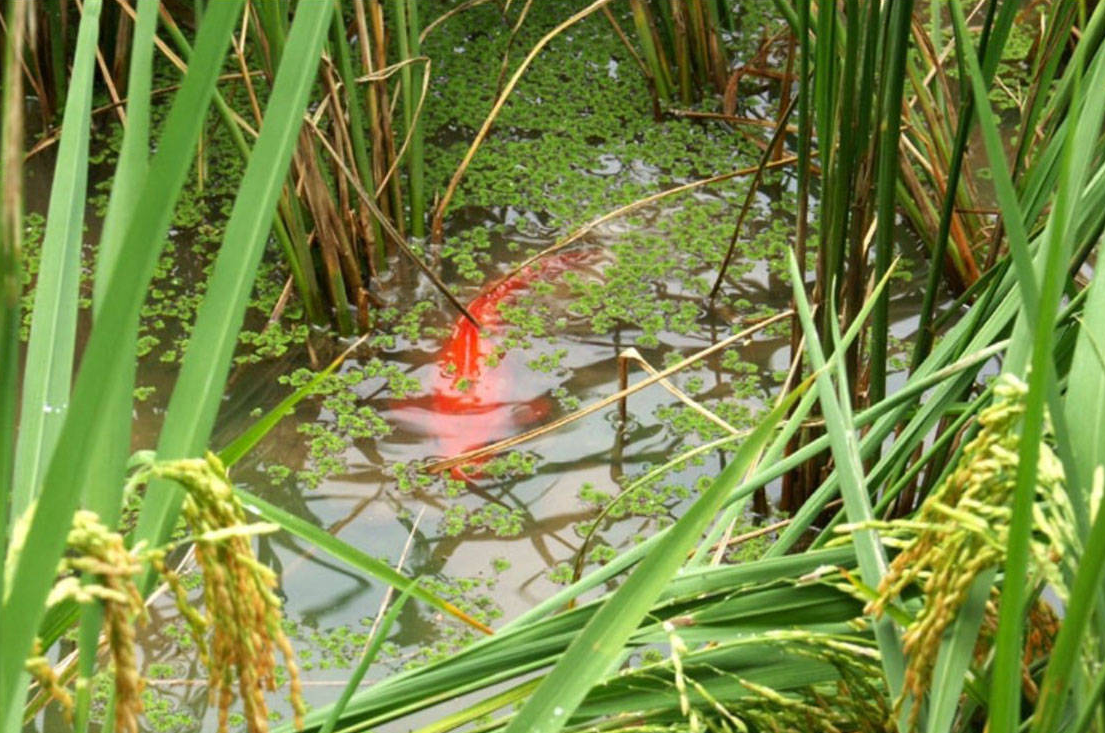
(473, 398)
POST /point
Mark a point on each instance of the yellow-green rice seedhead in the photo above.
(100, 556)
(962, 529)
(239, 636)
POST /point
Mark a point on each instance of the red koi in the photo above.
(473, 399)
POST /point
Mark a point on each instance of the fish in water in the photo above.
(477, 395)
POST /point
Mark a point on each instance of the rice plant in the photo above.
(942, 565)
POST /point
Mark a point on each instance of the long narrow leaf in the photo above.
(955, 656)
(69, 469)
(853, 485)
(199, 388)
(54, 323)
(11, 235)
(1085, 401)
(350, 555)
(245, 442)
(106, 498)
(378, 637)
(1067, 653)
(1035, 358)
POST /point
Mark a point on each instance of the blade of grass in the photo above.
(1067, 653)
(482, 709)
(1013, 218)
(54, 322)
(1085, 402)
(378, 635)
(132, 165)
(527, 646)
(378, 638)
(106, 499)
(1085, 395)
(406, 33)
(956, 654)
(600, 643)
(245, 442)
(198, 393)
(1094, 700)
(992, 49)
(853, 486)
(69, 470)
(11, 231)
(1005, 690)
(292, 241)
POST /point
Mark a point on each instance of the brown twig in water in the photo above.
(510, 44)
(445, 16)
(764, 164)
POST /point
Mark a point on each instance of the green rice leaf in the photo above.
(245, 442)
(199, 388)
(350, 555)
(378, 637)
(844, 441)
(54, 321)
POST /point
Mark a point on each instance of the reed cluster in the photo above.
(683, 52)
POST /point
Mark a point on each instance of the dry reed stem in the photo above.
(390, 229)
(765, 162)
(631, 354)
(448, 14)
(386, 73)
